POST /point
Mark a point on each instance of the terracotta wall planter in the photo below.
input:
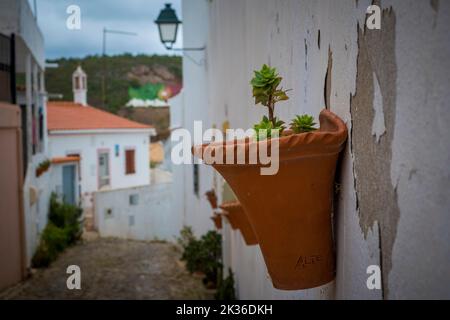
(235, 209)
(212, 198)
(290, 211)
(41, 170)
(232, 219)
(217, 219)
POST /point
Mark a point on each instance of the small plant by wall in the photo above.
(42, 167)
(64, 229)
(202, 255)
(267, 92)
(225, 289)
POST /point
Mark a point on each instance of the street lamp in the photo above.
(167, 23)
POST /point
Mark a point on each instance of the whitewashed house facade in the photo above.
(113, 151)
(22, 86)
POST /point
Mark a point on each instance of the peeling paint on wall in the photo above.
(378, 125)
(318, 39)
(435, 5)
(327, 87)
(376, 196)
(306, 55)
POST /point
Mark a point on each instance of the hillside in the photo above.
(125, 74)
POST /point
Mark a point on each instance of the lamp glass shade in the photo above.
(168, 22)
(168, 32)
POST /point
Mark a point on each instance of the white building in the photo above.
(392, 210)
(22, 83)
(113, 151)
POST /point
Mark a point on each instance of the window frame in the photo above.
(99, 178)
(133, 171)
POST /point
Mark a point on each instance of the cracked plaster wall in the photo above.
(391, 87)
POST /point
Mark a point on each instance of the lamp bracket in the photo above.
(186, 49)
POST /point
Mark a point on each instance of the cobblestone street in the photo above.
(114, 269)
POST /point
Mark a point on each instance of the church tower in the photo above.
(79, 85)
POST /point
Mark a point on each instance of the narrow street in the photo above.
(114, 269)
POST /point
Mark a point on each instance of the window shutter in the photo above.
(130, 162)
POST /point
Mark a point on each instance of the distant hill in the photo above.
(125, 74)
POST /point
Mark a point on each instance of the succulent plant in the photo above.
(303, 123)
(265, 126)
(265, 89)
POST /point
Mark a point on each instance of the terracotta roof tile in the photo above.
(62, 115)
(59, 160)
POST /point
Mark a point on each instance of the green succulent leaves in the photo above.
(263, 130)
(265, 88)
(266, 91)
(303, 123)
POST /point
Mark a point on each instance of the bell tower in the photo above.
(79, 86)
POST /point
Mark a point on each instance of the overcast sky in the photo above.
(126, 15)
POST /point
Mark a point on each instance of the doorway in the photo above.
(103, 169)
(69, 184)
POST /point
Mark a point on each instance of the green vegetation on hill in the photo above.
(122, 72)
(147, 91)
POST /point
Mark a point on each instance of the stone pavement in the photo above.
(114, 269)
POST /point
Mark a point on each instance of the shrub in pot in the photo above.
(202, 256)
(290, 211)
(42, 167)
(64, 229)
(225, 290)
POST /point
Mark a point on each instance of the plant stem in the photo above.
(271, 107)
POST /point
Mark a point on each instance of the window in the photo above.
(24, 115)
(196, 180)
(74, 154)
(134, 199)
(130, 167)
(77, 83)
(103, 169)
(41, 127)
(34, 137)
(109, 213)
(130, 221)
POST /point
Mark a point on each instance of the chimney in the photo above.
(79, 86)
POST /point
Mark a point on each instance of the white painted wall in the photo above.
(88, 145)
(16, 17)
(194, 208)
(242, 35)
(36, 198)
(36, 208)
(149, 219)
(176, 111)
(421, 154)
